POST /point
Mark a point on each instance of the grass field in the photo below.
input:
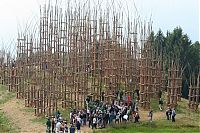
(187, 121)
(154, 127)
(5, 124)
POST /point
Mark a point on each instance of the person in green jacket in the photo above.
(48, 124)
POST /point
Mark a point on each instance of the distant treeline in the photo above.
(177, 45)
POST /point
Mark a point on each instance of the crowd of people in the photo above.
(99, 114)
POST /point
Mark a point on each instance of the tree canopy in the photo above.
(177, 45)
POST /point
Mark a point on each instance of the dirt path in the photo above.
(22, 119)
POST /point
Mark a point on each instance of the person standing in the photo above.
(84, 118)
(72, 129)
(137, 117)
(78, 126)
(48, 124)
(66, 127)
(94, 123)
(62, 128)
(117, 118)
(167, 113)
(170, 113)
(150, 115)
(53, 123)
(58, 125)
(173, 115)
(90, 120)
(160, 104)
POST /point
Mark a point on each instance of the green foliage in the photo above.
(194, 56)
(178, 47)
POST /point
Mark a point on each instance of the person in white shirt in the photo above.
(58, 124)
(78, 119)
(94, 123)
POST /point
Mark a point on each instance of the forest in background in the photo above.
(177, 45)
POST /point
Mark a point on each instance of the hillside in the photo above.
(14, 117)
(186, 121)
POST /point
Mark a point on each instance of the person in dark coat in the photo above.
(53, 124)
(167, 113)
(78, 126)
(48, 124)
(137, 117)
(160, 104)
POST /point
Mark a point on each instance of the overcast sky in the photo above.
(166, 15)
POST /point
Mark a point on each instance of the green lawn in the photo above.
(154, 127)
